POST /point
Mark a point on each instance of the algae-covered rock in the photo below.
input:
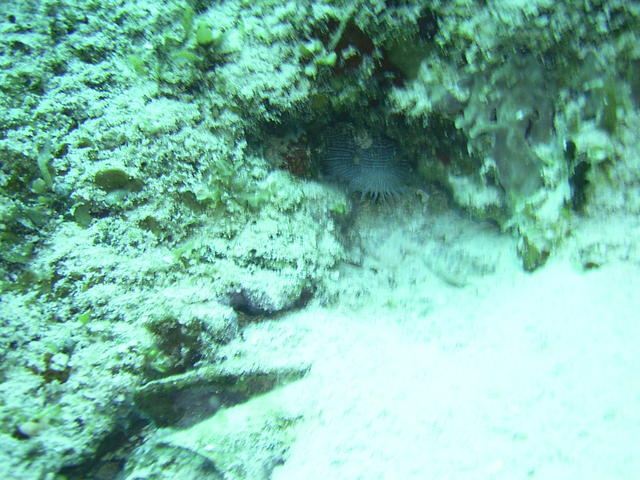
(185, 399)
(534, 78)
(111, 179)
(243, 442)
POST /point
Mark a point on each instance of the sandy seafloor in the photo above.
(518, 376)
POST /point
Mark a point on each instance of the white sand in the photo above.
(515, 376)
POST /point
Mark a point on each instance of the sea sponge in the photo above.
(366, 163)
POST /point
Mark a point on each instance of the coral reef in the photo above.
(164, 179)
